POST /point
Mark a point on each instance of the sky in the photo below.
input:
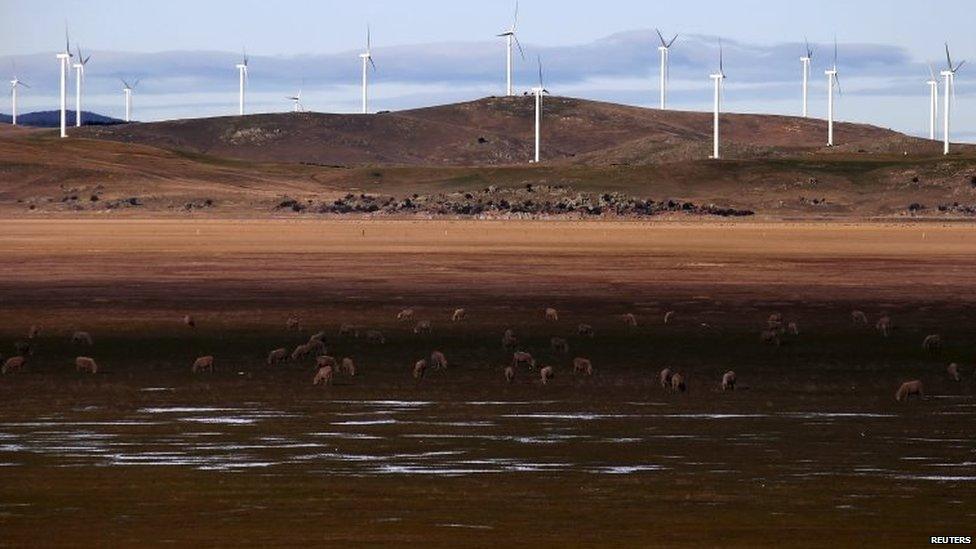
(434, 51)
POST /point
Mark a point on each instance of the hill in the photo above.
(52, 119)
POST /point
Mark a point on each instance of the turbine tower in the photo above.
(79, 78)
(63, 57)
(665, 49)
(805, 61)
(717, 78)
(127, 93)
(539, 91)
(832, 82)
(242, 74)
(510, 37)
(933, 83)
(13, 95)
(367, 58)
(949, 89)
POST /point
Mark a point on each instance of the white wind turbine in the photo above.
(949, 88)
(79, 79)
(14, 84)
(539, 91)
(242, 74)
(933, 83)
(63, 57)
(127, 93)
(717, 77)
(665, 49)
(510, 37)
(367, 59)
(832, 82)
(297, 99)
(805, 61)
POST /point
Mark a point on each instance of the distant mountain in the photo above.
(52, 119)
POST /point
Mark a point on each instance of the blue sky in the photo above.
(433, 51)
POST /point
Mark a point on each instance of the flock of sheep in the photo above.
(327, 367)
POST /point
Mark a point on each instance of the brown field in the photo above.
(811, 450)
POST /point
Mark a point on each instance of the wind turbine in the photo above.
(717, 77)
(510, 37)
(127, 92)
(539, 91)
(79, 77)
(665, 49)
(933, 101)
(242, 73)
(950, 89)
(63, 57)
(367, 58)
(832, 82)
(805, 61)
(297, 99)
(13, 95)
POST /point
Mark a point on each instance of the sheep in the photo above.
(86, 364)
(769, 337)
(953, 371)
(301, 351)
(203, 363)
(438, 361)
(552, 315)
(909, 389)
(189, 322)
(546, 374)
(318, 336)
(81, 338)
(323, 376)
(509, 374)
(348, 330)
(678, 383)
(22, 348)
(775, 323)
(375, 337)
(793, 329)
(419, 368)
(293, 323)
(629, 320)
(277, 356)
(316, 347)
(668, 316)
(665, 378)
(521, 357)
(728, 381)
(406, 315)
(883, 325)
(584, 330)
(12, 364)
(932, 343)
(348, 367)
(34, 331)
(582, 365)
(858, 317)
(559, 345)
(422, 328)
(325, 360)
(509, 340)
(459, 315)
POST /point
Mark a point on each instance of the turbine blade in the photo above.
(959, 66)
(721, 56)
(515, 19)
(661, 38)
(124, 83)
(948, 58)
(932, 73)
(837, 84)
(369, 38)
(672, 40)
(539, 59)
(137, 83)
(371, 63)
(519, 44)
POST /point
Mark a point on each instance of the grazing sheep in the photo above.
(909, 389)
(34, 331)
(324, 375)
(13, 364)
(301, 351)
(405, 315)
(438, 361)
(509, 340)
(348, 367)
(775, 318)
(953, 371)
(546, 374)
(630, 320)
(189, 322)
(582, 365)
(293, 323)
(728, 381)
(509, 374)
(81, 338)
(86, 364)
(678, 383)
(316, 347)
(459, 315)
(883, 325)
(419, 369)
(668, 317)
(325, 360)
(552, 315)
(858, 317)
(277, 356)
(559, 345)
(793, 329)
(932, 343)
(769, 337)
(22, 348)
(584, 330)
(375, 337)
(318, 336)
(665, 378)
(203, 363)
(348, 330)
(521, 357)
(422, 328)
